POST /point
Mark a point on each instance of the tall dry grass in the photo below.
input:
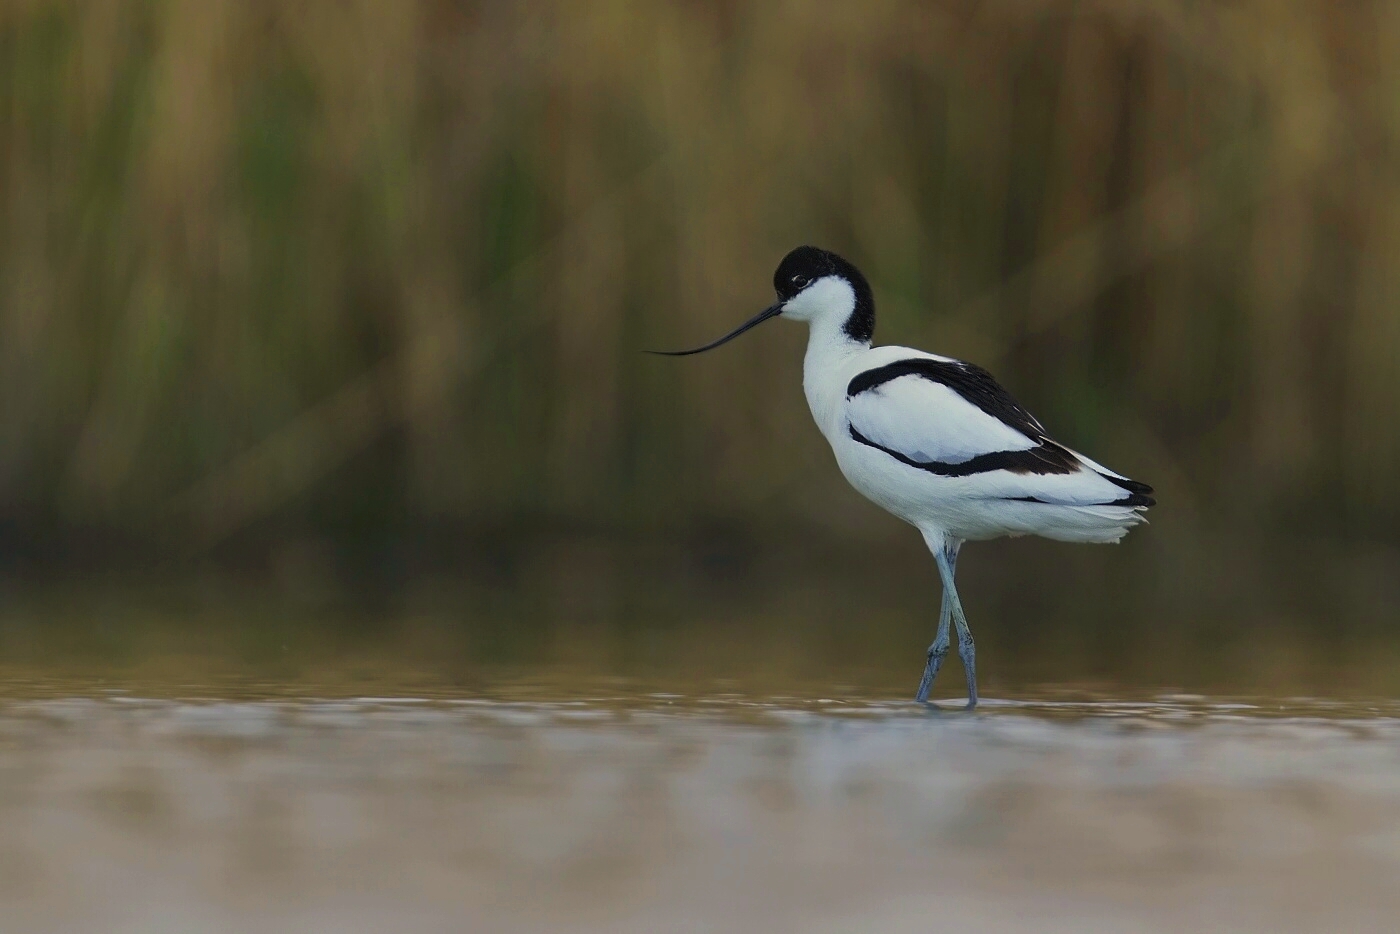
(356, 265)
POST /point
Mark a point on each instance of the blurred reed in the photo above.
(351, 267)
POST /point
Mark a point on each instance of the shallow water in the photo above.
(632, 811)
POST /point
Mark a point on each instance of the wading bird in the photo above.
(935, 441)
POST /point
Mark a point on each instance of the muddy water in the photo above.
(645, 812)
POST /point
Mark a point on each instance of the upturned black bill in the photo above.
(772, 311)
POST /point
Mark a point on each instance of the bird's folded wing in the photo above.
(930, 422)
(953, 420)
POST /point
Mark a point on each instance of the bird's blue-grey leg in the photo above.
(939, 650)
(947, 558)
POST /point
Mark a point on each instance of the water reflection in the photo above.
(645, 811)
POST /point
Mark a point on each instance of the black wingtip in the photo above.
(1139, 494)
(1132, 486)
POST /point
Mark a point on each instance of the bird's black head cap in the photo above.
(807, 264)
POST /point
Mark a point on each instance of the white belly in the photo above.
(946, 504)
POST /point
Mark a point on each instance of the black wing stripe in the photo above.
(1133, 500)
(1045, 459)
(972, 383)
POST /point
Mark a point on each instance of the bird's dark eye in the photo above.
(800, 281)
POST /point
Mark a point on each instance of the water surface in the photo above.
(624, 809)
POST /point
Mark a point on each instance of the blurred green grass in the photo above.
(282, 279)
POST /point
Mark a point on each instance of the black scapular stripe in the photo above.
(973, 383)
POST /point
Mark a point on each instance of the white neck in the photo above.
(823, 375)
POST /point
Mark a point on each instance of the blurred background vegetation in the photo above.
(319, 325)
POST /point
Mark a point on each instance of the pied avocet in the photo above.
(936, 441)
